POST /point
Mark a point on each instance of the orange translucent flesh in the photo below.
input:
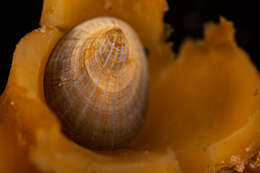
(206, 105)
(203, 107)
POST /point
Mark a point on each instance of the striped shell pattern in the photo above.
(96, 82)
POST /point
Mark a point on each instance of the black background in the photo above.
(186, 17)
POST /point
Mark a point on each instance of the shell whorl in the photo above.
(96, 82)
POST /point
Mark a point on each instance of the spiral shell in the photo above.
(96, 82)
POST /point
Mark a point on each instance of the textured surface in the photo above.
(96, 81)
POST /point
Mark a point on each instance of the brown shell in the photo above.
(96, 81)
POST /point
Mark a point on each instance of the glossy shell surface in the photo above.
(96, 82)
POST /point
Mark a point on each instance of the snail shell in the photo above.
(96, 82)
